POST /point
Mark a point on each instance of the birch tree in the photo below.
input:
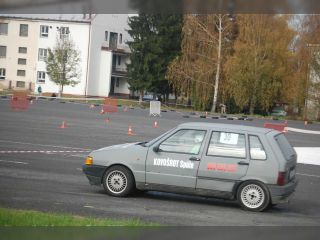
(197, 72)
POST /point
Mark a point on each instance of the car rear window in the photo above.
(285, 147)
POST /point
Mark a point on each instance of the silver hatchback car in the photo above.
(255, 166)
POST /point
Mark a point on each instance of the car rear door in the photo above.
(225, 160)
(174, 161)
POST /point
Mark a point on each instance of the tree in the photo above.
(258, 67)
(155, 42)
(197, 73)
(63, 64)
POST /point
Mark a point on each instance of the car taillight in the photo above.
(281, 178)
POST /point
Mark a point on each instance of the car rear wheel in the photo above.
(118, 181)
(253, 196)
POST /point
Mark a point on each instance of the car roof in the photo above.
(225, 126)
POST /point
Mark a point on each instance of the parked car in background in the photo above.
(278, 112)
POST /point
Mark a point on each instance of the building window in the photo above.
(21, 73)
(24, 30)
(119, 60)
(106, 35)
(64, 32)
(44, 31)
(3, 28)
(43, 54)
(117, 82)
(120, 39)
(20, 84)
(22, 61)
(2, 73)
(3, 51)
(41, 77)
(22, 50)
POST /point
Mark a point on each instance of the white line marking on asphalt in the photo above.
(45, 145)
(42, 151)
(308, 175)
(88, 206)
(6, 161)
(308, 155)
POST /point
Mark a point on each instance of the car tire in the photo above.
(118, 181)
(253, 196)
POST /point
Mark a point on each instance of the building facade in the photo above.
(100, 39)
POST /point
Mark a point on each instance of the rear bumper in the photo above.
(94, 173)
(280, 194)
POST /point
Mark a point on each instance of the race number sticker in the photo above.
(229, 138)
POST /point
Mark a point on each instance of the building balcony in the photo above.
(119, 71)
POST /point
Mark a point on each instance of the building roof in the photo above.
(81, 18)
(225, 126)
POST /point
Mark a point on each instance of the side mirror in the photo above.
(156, 148)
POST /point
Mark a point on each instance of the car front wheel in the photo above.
(253, 196)
(118, 181)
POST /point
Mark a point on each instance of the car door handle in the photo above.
(194, 159)
(243, 163)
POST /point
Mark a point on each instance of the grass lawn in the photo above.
(27, 218)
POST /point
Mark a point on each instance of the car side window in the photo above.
(184, 141)
(226, 144)
(257, 151)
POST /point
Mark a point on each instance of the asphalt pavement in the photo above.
(40, 168)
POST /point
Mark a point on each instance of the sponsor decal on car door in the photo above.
(175, 161)
(224, 161)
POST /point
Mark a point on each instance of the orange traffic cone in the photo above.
(91, 106)
(63, 125)
(206, 114)
(102, 111)
(130, 132)
(155, 124)
(107, 120)
(125, 109)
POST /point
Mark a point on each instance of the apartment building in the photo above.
(18, 54)
(100, 38)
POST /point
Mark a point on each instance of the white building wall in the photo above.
(101, 23)
(123, 86)
(79, 34)
(13, 41)
(103, 89)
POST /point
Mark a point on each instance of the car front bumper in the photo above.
(94, 173)
(281, 194)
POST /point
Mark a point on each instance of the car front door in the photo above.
(174, 162)
(224, 161)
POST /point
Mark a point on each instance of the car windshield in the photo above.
(148, 144)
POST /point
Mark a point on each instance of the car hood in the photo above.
(119, 146)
